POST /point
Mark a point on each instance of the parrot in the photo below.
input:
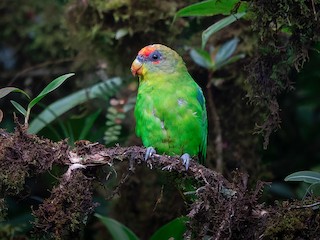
(170, 110)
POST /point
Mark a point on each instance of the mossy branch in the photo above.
(222, 209)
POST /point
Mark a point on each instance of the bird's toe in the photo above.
(185, 160)
(150, 151)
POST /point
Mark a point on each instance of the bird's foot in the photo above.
(185, 160)
(149, 153)
(169, 167)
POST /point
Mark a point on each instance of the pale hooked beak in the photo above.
(136, 67)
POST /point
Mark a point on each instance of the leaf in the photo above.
(22, 221)
(172, 230)
(49, 88)
(226, 50)
(280, 189)
(5, 91)
(117, 230)
(89, 121)
(219, 25)
(202, 58)
(304, 176)
(19, 107)
(1, 115)
(211, 8)
(121, 33)
(230, 60)
(56, 109)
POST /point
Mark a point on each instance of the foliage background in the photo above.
(97, 40)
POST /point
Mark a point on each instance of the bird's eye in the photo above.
(155, 56)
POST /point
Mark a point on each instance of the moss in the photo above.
(21, 157)
(3, 209)
(234, 217)
(65, 212)
(288, 222)
(287, 29)
(114, 31)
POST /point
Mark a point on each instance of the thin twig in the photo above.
(306, 206)
(158, 200)
(123, 180)
(215, 119)
(314, 10)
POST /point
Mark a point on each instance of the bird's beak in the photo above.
(136, 67)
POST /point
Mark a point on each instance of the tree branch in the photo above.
(222, 209)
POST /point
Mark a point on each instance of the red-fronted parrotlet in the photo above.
(170, 110)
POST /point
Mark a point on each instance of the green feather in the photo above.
(170, 109)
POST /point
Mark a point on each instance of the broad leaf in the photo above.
(89, 121)
(280, 189)
(304, 176)
(211, 8)
(19, 107)
(5, 91)
(117, 230)
(121, 33)
(56, 109)
(226, 50)
(230, 60)
(202, 58)
(49, 88)
(172, 230)
(219, 25)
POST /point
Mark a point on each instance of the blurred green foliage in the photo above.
(295, 147)
(98, 40)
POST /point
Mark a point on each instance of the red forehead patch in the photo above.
(146, 51)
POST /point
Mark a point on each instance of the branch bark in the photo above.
(222, 209)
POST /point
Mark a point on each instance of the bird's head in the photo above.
(156, 59)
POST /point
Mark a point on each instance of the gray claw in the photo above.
(150, 151)
(167, 168)
(185, 160)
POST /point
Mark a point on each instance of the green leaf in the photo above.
(89, 121)
(226, 50)
(211, 8)
(230, 60)
(172, 230)
(202, 58)
(49, 88)
(19, 107)
(56, 109)
(117, 230)
(21, 221)
(121, 33)
(280, 189)
(5, 91)
(219, 25)
(304, 176)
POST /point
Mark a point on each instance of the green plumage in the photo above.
(170, 109)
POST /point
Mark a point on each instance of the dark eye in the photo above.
(155, 56)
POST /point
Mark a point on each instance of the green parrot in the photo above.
(170, 111)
